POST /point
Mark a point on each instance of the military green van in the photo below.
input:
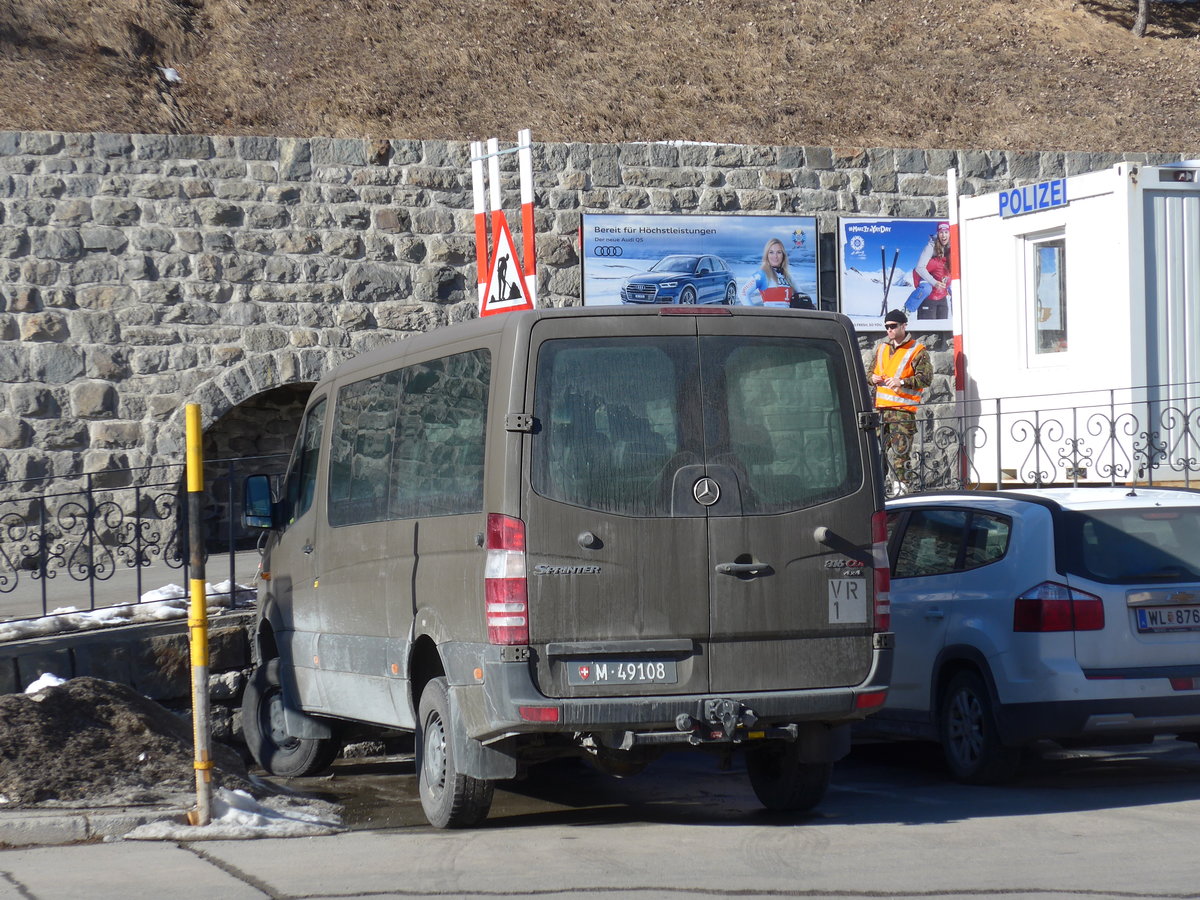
(597, 532)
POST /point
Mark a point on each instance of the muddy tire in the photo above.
(781, 781)
(450, 798)
(267, 739)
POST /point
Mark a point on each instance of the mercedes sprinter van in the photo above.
(602, 532)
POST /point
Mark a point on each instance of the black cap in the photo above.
(896, 315)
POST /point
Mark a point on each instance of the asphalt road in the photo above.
(1100, 824)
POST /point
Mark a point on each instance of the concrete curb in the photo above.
(45, 827)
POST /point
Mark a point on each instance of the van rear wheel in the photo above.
(267, 737)
(449, 798)
(781, 781)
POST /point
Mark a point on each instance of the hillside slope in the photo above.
(1000, 74)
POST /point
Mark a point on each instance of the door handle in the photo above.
(934, 614)
(750, 570)
(307, 548)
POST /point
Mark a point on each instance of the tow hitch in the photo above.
(728, 721)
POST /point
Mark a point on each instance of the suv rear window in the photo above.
(618, 417)
(1132, 546)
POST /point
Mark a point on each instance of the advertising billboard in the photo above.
(886, 263)
(747, 260)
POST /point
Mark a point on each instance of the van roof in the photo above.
(474, 328)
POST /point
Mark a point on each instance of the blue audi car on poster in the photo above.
(682, 279)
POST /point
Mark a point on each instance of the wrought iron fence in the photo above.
(94, 540)
(1147, 435)
(97, 540)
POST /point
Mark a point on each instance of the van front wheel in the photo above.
(781, 781)
(450, 798)
(266, 736)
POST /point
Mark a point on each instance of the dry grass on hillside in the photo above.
(1033, 74)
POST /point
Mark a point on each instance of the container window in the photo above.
(1048, 296)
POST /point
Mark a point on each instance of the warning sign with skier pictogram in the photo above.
(506, 290)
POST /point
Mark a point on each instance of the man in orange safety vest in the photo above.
(901, 372)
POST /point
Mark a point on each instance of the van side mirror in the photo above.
(257, 508)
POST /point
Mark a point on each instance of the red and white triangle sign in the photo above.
(506, 290)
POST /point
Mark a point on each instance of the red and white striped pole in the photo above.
(956, 319)
(477, 188)
(494, 185)
(490, 189)
(528, 229)
(960, 369)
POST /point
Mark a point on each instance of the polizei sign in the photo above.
(1033, 198)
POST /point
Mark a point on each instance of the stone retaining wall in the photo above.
(141, 272)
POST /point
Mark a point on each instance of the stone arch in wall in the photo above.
(250, 415)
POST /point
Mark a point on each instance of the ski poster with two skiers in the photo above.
(887, 263)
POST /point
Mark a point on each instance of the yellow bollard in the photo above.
(198, 620)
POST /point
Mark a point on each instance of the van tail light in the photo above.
(883, 572)
(1055, 607)
(506, 598)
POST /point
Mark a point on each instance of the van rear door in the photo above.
(783, 446)
(677, 470)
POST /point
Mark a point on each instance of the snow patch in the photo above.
(237, 816)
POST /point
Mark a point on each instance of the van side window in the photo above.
(409, 443)
(300, 484)
(437, 457)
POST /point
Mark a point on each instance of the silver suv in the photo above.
(1071, 615)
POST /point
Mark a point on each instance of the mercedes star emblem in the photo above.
(706, 491)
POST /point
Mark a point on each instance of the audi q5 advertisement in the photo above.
(669, 258)
(682, 279)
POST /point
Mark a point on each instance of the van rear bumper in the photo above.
(507, 702)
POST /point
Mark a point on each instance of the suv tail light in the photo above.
(1055, 607)
(506, 599)
(883, 572)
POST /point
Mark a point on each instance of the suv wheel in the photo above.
(450, 798)
(781, 781)
(688, 296)
(267, 738)
(970, 739)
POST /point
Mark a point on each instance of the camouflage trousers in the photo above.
(898, 429)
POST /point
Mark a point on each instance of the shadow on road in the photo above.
(900, 783)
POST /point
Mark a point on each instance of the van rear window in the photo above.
(1132, 546)
(619, 417)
